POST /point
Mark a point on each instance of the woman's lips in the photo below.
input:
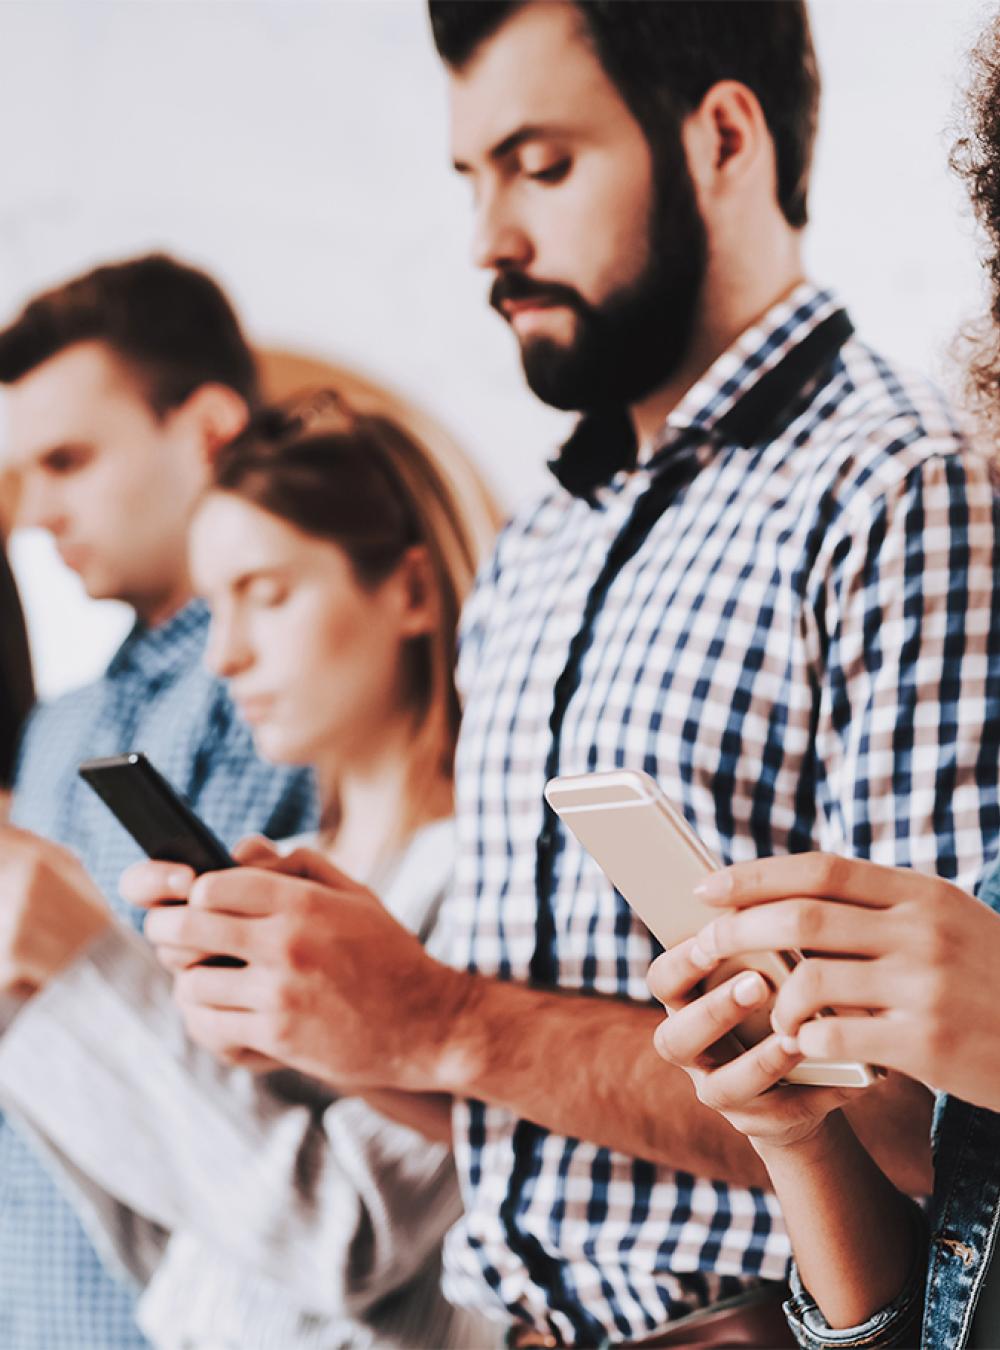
(254, 708)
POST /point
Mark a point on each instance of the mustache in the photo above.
(512, 286)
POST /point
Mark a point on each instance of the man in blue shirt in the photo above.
(119, 386)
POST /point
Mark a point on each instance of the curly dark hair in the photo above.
(975, 157)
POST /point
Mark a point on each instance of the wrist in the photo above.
(450, 1059)
(809, 1149)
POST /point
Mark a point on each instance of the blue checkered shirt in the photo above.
(788, 615)
(155, 696)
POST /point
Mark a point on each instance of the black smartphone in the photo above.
(155, 814)
(158, 818)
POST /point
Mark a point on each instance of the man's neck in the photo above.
(730, 304)
(154, 612)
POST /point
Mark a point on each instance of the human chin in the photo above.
(281, 744)
(623, 348)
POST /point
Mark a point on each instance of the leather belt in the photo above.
(752, 1321)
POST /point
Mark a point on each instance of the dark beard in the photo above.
(635, 340)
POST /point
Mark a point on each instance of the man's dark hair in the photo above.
(170, 324)
(663, 56)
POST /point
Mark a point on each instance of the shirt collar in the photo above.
(152, 653)
(744, 396)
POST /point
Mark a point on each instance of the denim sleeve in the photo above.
(989, 890)
(897, 1324)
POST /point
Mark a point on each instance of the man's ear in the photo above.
(214, 414)
(727, 141)
(417, 593)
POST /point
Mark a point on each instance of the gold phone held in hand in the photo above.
(653, 858)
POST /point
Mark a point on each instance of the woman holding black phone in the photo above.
(264, 1209)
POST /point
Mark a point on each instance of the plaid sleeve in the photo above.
(907, 767)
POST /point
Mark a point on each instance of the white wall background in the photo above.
(298, 149)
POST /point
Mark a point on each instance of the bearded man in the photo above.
(764, 575)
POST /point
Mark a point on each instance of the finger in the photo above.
(313, 866)
(865, 1040)
(822, 875)
(217, 934)
(219, 987)
(179, 958)
(254, 1062)
(229, 1035)
(674, 976)
(152, 883)
(739, 1081)
(690, 1032)
(816, 984)
(797, 925)
(255, 851)
(248, 892)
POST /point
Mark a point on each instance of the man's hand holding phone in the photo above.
(331, 983)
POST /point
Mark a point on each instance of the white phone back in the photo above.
(651, 855)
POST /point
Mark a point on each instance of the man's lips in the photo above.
(527, 316)
(511, 308)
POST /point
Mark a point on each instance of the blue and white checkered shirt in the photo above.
(155, 696)
(789, 615)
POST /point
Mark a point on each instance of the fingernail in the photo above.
(789, 1044)
(179, 880)
(716, 886)
(749, 989)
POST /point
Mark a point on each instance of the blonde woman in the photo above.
(334, 553)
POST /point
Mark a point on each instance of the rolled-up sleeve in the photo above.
(897, 1324)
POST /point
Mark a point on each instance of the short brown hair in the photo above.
(169, 323)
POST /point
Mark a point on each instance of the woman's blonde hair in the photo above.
(362, 481)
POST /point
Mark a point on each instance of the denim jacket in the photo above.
(936, 1306)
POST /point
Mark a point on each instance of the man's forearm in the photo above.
(585, 1067)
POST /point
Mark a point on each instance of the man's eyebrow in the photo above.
(511, 143)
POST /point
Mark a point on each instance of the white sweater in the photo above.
(257, 1213)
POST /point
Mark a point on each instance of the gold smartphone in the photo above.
(650, 854)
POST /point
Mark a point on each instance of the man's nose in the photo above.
(500, 241)
(39, 508)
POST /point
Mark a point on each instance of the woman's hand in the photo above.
(917, 952)
(741, 1085)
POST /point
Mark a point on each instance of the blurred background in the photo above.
(297, 149)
